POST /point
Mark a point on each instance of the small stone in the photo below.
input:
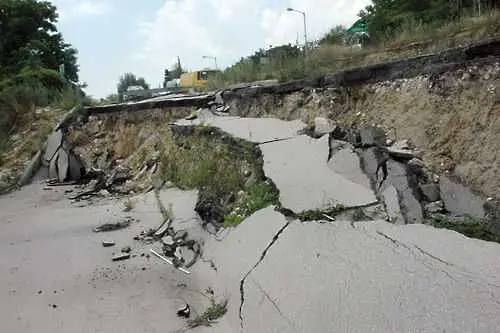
(126, 249)
(322, 126)
(184, 311)
(40, 292)
(108, 243)
(180, 235)
(168, 240)
(123, 256)
(178, 254)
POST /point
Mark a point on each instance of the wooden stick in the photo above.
(169, 262)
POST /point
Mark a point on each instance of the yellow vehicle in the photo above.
(197, 79)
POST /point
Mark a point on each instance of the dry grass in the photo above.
(412, 39)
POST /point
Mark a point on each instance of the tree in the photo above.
(384, 17)
(174, 72)
(129, 80)
(335, 36)
(30, 39)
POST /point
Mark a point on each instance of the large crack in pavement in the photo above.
(242, 281)
(459, 275)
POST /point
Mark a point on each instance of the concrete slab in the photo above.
(377, 277)
(54, 141)
(31, 169)
(391, 201)
(304, 179)
(62, 165)
(345, 161)
(411, 208)
(460, 200)
(53, 174)
(258, 130)
(229, 257)
(75, 167)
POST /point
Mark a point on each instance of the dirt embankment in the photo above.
(453, 116)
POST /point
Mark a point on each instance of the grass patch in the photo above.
(317, 214)
(4, 146)
(257, 197)
(359, 214)
(470, 227)
(213, 312)
(411, 39)
(227, 172)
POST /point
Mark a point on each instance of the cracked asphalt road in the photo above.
(279, 275)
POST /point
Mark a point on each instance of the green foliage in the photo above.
(174, 72)
(335, 36)
(385, 17)
(30, 39)
(129, 80)
(470, 227)
(227, 172)
(4, 141)
(257, 196)
(213, 312)
(317, 214)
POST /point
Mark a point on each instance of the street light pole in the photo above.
(211, 57)
(305, 26)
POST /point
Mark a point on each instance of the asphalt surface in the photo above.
(278, 275)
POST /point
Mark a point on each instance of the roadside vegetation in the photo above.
(394, 30)
(34, 90)
(467, 226)
(227, 172)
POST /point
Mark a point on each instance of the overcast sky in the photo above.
(145, 37)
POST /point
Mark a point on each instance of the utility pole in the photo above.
(305, 26)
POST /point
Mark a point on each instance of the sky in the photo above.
(145, 37)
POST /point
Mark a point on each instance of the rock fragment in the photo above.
(121, 256)
(322, 126)
(126, 249)
(430, 192)
(184, 311)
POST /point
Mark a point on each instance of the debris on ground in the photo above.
(169, 261)
(184, 311)
(126, 249)
(114, 226)
(108, 243)
(215, 311)
(120, 257)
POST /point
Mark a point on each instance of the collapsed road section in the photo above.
(253, 225)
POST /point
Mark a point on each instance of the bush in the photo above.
(31, 88)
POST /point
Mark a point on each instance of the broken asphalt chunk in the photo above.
(53, 143)
(121, 256)
(113, 226)
(162, 229)
(180, 235)
(184, 311)
(126, 249)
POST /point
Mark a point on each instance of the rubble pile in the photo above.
(410, 191)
